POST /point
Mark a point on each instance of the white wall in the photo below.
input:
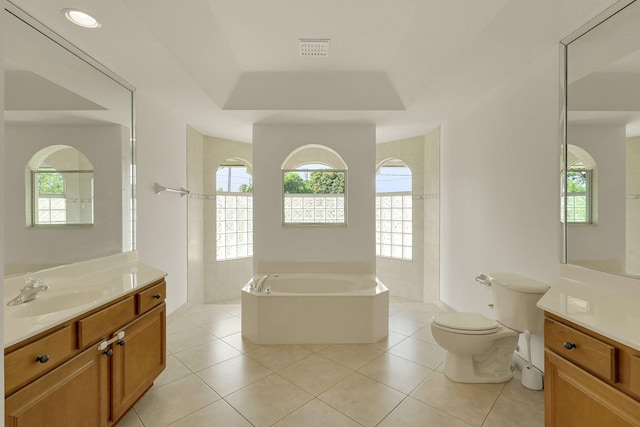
(604, 241)
(33, 245)
(162, 218)
(500, 192)
(275, 243)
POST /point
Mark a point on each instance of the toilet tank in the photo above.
(515, 298)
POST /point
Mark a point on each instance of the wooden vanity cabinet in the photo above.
(85, 385)
(590, 380)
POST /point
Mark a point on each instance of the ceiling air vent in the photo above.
(314, 47)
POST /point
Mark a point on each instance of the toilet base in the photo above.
(460, 368)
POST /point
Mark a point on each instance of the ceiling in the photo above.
(403, 65)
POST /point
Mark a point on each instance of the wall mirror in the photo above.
(69, 171)
(601, 146)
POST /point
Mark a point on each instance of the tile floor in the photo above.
(215, 378)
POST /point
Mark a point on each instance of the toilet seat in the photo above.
(465, 323)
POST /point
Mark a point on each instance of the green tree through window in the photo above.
(50, 183)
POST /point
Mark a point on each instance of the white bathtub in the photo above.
(316, 308)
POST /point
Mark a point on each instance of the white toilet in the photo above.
(480, 350)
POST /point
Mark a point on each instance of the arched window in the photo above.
(394, 225)
(581, 184)
(314, 182)
(60, 182)
(234, 210)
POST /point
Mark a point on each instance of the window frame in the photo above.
(329, 168)
(588, 193)
(36, 195)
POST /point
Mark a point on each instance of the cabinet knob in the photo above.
(121, 343)
(569, 345)
(108, 352)
(157, 296)
(43, 359)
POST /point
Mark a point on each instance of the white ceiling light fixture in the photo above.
(81, 18)
(314, 47)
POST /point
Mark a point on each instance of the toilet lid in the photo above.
(466, 322)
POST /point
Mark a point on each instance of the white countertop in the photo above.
(90, 283)
(607, 306)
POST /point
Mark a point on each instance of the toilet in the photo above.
(479, 349)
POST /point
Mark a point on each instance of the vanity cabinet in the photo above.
(590, 380)
(84, 372)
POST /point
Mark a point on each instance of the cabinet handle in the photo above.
(108, 352)
(121, 343)
(569, 345)
(157, 296)
(43, 359)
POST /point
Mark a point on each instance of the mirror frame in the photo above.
(563, 119)
(47, 32)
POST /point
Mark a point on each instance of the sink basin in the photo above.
(55, 300)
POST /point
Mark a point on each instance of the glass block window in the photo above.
(62, 197)
(314, 208)
(234, 212)
(394, 211)
(394, 229)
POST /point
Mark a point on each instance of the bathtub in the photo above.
(315, 308)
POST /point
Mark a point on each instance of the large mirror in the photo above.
(68, 152)
(601, 165)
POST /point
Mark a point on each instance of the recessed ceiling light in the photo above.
(81, 18)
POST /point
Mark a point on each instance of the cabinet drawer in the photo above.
(151, 297)
(590, 353)
(34, 359)
(105, 322)
(634, 383)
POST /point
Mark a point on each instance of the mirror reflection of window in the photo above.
(314, 194)
(60, 182)
(581, 186)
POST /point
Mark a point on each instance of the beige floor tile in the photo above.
(396, 372)
(182, 340)
(511, 413)
(234, 308)
(389, 341)
(314, 347)
(205, 355)
(413, 413)
(219, 413)
(233, 374)
(238, 341)
(130, 420)
(173, 371)
(268, 400)
(420, 312)
(316, 413)
(353, 356)
(467, 402)
(492, 387)
(420, 352)
(424, 334)
(225, 327)
(514, 390)
(276, 357)
(163, 405)
(179, 323)
(362, 399)
(206, 317)
(315, 374)
(404, 326)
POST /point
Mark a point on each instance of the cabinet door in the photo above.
(137, 360)
(575, 398)
(75, 394)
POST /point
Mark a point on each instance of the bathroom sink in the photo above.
(55, 300)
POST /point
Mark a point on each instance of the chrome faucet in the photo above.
(262, 281)
(32, 289)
